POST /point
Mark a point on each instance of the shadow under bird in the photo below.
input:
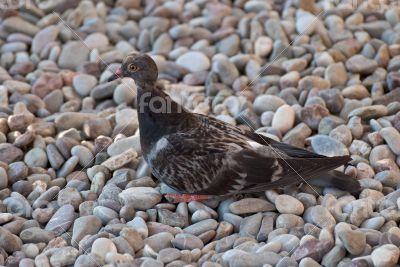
(202, 157)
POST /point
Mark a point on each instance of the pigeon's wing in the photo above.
(286, 170)
(191, 162)
(220, 163)
(281, 148)
(289, 150)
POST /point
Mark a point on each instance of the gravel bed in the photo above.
(75, 191)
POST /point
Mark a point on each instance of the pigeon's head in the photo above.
(139, 67)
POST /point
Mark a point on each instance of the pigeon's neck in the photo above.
(152, 100)
(158, 115)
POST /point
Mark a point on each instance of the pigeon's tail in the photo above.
(337, 179)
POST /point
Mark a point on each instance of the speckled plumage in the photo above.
(197, 154)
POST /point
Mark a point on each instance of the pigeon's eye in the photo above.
(132, 67)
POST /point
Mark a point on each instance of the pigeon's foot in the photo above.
(187, 197)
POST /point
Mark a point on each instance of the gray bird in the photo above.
(200, 156)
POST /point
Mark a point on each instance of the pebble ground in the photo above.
(74, 190)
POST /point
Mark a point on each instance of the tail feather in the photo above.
(337, 179)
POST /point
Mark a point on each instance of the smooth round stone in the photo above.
(336, 74)
(168, 255)
(36, 235)
(385, 256)
(180, 31)
(342, 133)
(200, 215)
(97, 127)
(30, 250)
(237, 258)
(36, 157)
(264, 103)
(266, 118)
(392, 138)
(360, 64)
(141, 198)
(43, 37)
(263, 46)
(201, 227)
(229, 45)
(105, 214)
(373, 223)
(354, 241)
(194, 61)
(80, 55)
(69, 195)
(297, 64)
(61, 221)
(84, 83)
(356, 91)
(121, 145)
(84, 154)
(289, 242)
(85, 225)
(380, 152)
(283, 119)
(250, 205)
(327, 146)
(369, 112)
(64, 256)
(125, 92)
(140, 225)
(187, 241)
(289, 204)
(159, 241)
(8, 241)
(102, 246)
(27, 263)
(320, 216)
(307, 23)
(226, 70)
(97, 40)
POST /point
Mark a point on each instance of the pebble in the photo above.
(187, 241)
(194, 61)
(369, 112)
(386, 255)
(360, 64)
(64, 256)
(83, 83)
(312, 248)
(62, 219)
(250, 205)
(43, 37)
(85, 225)
(328, 146)
(201, 227)
(75, 191)
(9, 242)
(392, 138)
(288, 205)
(141, 198)
(283, 119)
(36, 157)
(36, 235)
(354, 241)
(264, 103)
(84, 155)
(120, 160)
(102, 246)
(76, 48)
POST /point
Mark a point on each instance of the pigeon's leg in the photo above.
(187, 197)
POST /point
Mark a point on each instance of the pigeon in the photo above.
(200, 156)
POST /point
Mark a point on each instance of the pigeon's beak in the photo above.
(117, 74)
